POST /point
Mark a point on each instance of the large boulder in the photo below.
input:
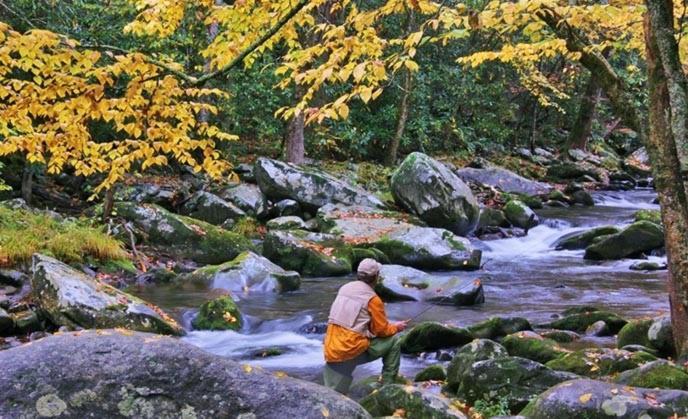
(398, 282)
(597, 362)
(248, 272)
(248, 198)
(430, 190)
(477, 350)
(497, 327)
(309, 186)
(182, 236)
(634, 333)
(71, 298)
(311, 254)
(639, 237)
(520, 215)
(414, 401)
(288, 222)
(599, 400)
(431, 336)
(114, 373)
(210, 208)
(656, 374)
(582, 239)
(504, 179)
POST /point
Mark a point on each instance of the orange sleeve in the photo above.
(379, 325)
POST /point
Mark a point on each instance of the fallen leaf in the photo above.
(325, 412)
(247, 368)
(585, 398)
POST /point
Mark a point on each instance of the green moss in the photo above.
(653, 216)
(580, 322)
(219, 314)
(119, 265)
(596, 363)
(658, 374)
(430, 336)
(431, 373)
(531, 347)
(634, 333)
(495, 327)
(532, 201)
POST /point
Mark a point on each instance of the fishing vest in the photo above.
(350, 308)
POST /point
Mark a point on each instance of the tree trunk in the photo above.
(295, 148)
(667, 134)
(108, 203)
(402, 117)
(213, 30)
(580, 132)
(27, 183)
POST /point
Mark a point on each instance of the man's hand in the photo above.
(402, 325)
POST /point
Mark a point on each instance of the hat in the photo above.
(369, 267)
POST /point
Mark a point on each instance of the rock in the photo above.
(655, 374)
(311, 254)
(415, 401)
(597, 399)
(6, 323)
(505, 180)
(520, 215)
(661, 336)
(583, 198)
(582, 239)
(599, 328)
(579, 322)
(513, 379)
(491, 217)
(428, 189)
(403, 283)
(532, 346)
(496, 327)
(12, 278)
(221, 313)
(71, 298)
(654, 216)
(563, 171)
(640, 348)
(183, 236)
(309, 186)
(166, 196)
(26, 322)
(210, 208)
(560, 336)
(431, 336)
(115, 373)
(368, 385)
(248, 198)
(597, 362)
(532, 201)
(245, 172)
(290, 222)
(638, 162)
(248, 272)
(432, 373)
(477, 350)
(634, 333)
(539, 151)
(639, 237)
(644, 265)
(288, 207)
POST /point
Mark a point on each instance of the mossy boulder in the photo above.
(579, 322)
(289, 222)
(496, 327)
(415, 401)
(311, 254)
(477, 350)
(634, 333)
(368, 385)
(560, 336)
(427, 188)
(221, 313)
(71, 298)
(532, 346)
(653, 216)
(432, 373)
(182, 236)
(638, 238)
(582, 239)
(211, 208)
(430, 336)
(655, 374)
(492, 217)
(598, 362)
(520, 215)
(563, 171)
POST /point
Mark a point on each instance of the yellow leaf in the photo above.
(247, 368)
(585, 397)
(325, 412)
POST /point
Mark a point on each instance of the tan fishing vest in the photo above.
(350, 308)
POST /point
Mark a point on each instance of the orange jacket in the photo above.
(342, 344)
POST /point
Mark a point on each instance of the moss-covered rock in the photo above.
(368, 385)
(653, 216)
(520, 215)
(560, 336)
(496, 327)
(532, 346)
(661, 336)
(492, 217)
(432, 373)
(598, 362)
(415, 401)
(581, 321)
(639, 237)
(221, 313)
(477, 350)
(311, 254)
(656, 374)
(582, 239)
(634, 333)
(430, 336)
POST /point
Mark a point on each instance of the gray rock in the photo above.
(210, 208)
(543, 153)
(583, 198)
(647, 266)
(563, 171)
(599, 328)
(639, 237)
(110, 373)
(431, 336)
(26, 322)
(428, 189)
(290, 222)
(505, 180)
(416, 401)
(661, 336)
(12, 277)
(311, 187)
(467, 355)
(248, 198)
(311, 254)
(287, 207)
(638, 162)
(71, 298)
(151, 193)
(520, 215)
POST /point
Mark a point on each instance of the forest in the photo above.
(343, 209)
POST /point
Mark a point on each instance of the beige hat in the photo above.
(369, 267)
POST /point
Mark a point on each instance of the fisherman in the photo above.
(358, 331)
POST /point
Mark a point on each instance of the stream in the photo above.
(522, 277)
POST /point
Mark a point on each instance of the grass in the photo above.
(23, 233)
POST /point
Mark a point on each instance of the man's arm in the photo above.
(379, 325)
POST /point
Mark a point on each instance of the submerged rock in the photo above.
(582, 239)
(431, 336)
(73, 299)
(415, 401)
(477, 350)
(496, 327)
(311, 254)
(428, 189)
(655, 374)
(597, 362)
(520, 215)
(221, 313)
(639, 237)
(113, 373)
(504, 179)
(210, 208)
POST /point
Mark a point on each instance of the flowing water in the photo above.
(522, 277)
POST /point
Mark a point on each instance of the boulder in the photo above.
(654, 216)
(432, 373)
(639, 237)
(598, 329)
(532, 346)
(248, 198)
(661, 337)
(496, 327)
(290, 222)
(655, 374)
(597, 362)
(563, 171)
(638, 162)
(579, 322)
(582, 239)
(505, 180)
(583, 198)
(492, 217)
(248, 272)
(599, 400)
(414, 401)
(182, 236)
(309, 186)
(477, 350)
(311, 254)
(520, 215)
(408, 284)
(370, 384)
(560, 336)
(221, 313)
(166, 196)
(115, 373)
(71, 298)
(210, 208)
(286, 208)
(428, 189)
(431, 336)
(634, 333)
(6, 323)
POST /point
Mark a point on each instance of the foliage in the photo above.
(490, 408)
(248, 227)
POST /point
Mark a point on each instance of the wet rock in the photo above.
(6, 323)
(579, 322)
(428, 189)
(71, 298)
(432, 373)
(597, 362)
(415, 401)
(316, 328)
(560, 336)
(183, 236)
(309, 186)
(504, 179)
(520, 215)
(221, 313)
(290, 222)
(248, 272)
(655, 374)
(582, 239)
(597, 399)
(491, 217)
(288, 207)
(477, 350)
(431, 336)
(404, 283)
(639, 237)
(210, 208)
(647, 266)
(142, 375)
(583, 198)
(661, 337)
(496, 327)
(248, 198)
(532, 346)
(599, 328)
(634, 333)
(311, 254)
(654, 216)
